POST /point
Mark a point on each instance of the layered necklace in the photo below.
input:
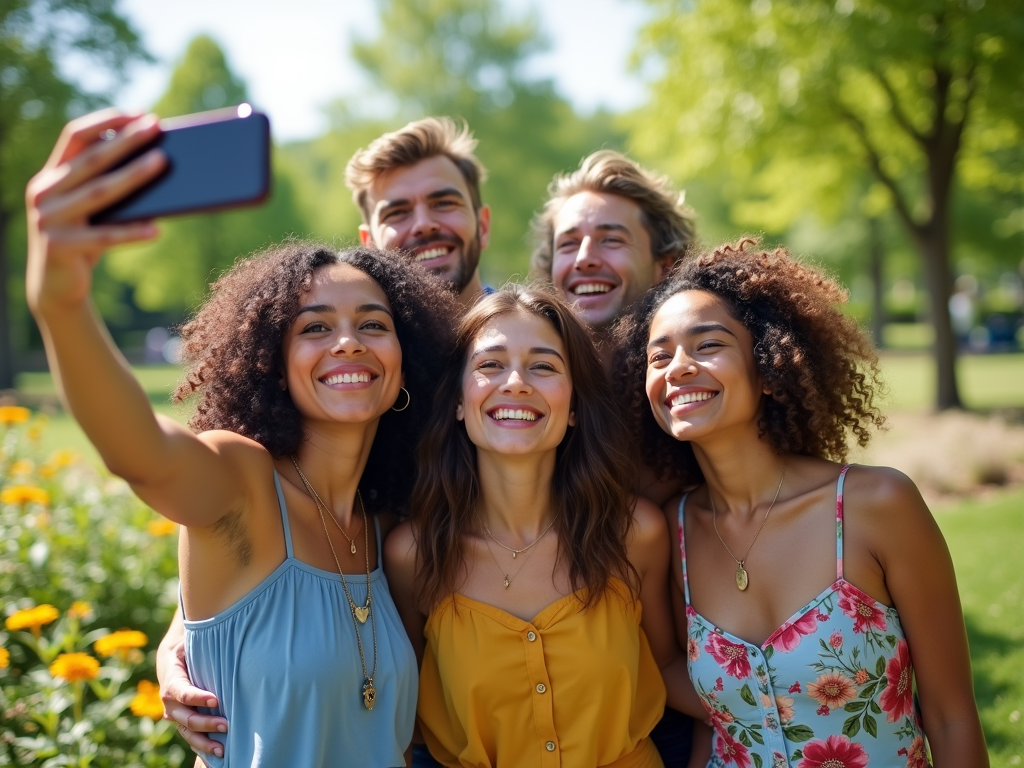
(507, 581)
(359, 612)
(742, 580)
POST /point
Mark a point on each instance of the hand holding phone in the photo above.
(215, 160)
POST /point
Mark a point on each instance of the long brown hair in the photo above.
(592, 504)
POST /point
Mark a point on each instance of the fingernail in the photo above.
(211, 702)
(218, 752)
(222, 728)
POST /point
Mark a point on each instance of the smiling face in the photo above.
(701, 375)
(602, 259)
(426, 209)
(342, 358)
(516, 387)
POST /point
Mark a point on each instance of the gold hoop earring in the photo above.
(408, 399)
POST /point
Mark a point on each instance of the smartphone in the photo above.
(216, 160)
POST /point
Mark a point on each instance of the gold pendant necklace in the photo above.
(318, 500)
(359, 612)
(517, 551)
(507, 580)
(742, 579)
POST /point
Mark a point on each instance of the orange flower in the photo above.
(24, 494)
(161, 527)
(833, 690)
(79, 610)
(861, 677)
(22, 467)
(75, 667)
(62, 458)
(147, 701)
(121, 643)
(5, 658)
(32, 618)
(13, 414)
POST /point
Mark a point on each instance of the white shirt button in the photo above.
(541, 687)
(531, 635)
(550, 746)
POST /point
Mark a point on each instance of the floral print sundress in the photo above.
(833, 687)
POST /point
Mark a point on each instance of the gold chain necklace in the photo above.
(507, 580)
(741, 573)
(359, 613)
(516, 551)
(318, 500)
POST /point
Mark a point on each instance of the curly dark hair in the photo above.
(232, 351)
(818, 364)
(590, 487)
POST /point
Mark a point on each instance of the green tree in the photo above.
(36, 99)
(794, 100)
(466, 58)
(172, 273)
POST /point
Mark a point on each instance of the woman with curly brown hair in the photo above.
(803, 586)
(313, 371)
(521, 574)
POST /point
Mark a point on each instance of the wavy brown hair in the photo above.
(818, 364)
(232, 351)
(592, 504)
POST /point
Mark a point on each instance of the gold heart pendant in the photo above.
(361, 613)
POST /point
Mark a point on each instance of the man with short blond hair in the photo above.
(418, 189)
(608, 232)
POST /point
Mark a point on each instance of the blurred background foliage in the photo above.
(880, 138)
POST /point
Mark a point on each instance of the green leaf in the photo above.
(747, 695)
(744, 739)
(852, 726)
(797, 733)
(757, 760)
(880, 666)
(875, 708)
(870, 725)
(891, 640)
(756, 737)
(869, 689)
(855, 706)
(769, 652)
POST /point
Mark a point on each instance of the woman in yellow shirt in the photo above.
(533, 587)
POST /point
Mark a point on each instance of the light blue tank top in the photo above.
(284, 664)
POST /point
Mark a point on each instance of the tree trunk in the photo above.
(933, 245)
(875, 257)
(6, 349)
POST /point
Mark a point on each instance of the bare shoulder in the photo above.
(649, 524)
(400, 548)
(882, 491)
(388, 521)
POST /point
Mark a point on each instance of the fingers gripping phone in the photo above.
(216, 160)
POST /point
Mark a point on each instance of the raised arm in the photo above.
(154, 454)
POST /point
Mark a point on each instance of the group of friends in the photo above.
(424, 521)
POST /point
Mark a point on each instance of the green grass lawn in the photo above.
(986, 381)
(986, 538)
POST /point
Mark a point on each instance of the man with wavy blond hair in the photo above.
(608, 232)
(418, 189)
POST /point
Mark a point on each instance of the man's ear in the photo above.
(364, 235)
(483, 224)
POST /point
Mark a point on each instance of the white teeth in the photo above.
(433, 253)
(591, 288)
(348, 378)
(691, 397)
(514, 414)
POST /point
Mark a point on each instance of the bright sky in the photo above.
(294, 57)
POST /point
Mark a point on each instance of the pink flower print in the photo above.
(823, 617)
(779, 760)
(795, 687)
(788, 636)
(836, 752)
(730, 750)
(832, 689)
(822, 710)
(861, 608)
(690, 613)
(719, 685)
(917, 755)
(836, 640)
(731, 657)
(692, 649)
(898, 697)
(786, 710)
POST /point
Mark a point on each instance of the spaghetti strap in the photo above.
(682, 548)
(284, 517)
(839, 521)
(376, 528)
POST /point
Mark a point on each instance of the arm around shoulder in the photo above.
(400, 565)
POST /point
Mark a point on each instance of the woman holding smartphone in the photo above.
(816, 598)
(312, 370)
(532, 585)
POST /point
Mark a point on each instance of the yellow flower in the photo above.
(32, 618)
(79, 609)
(5, 658)
(21, 467)
(161, 527)
(13, 414)
(147, 701)
(62, 458)
(24, 494)
(120, 642)
(75, 667)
